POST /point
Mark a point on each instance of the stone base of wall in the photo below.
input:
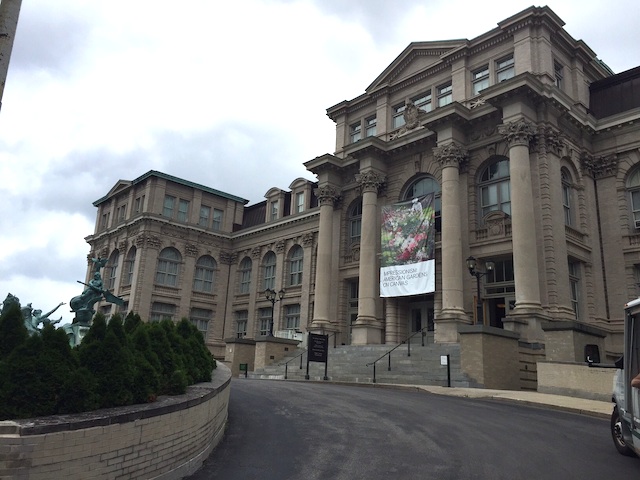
(576, 380)
(167, 439)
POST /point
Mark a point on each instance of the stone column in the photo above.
(527, 314)
(367, 328)
(327, 197)
(451, 157)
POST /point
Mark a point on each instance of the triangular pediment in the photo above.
(416, 58)
(120, 186)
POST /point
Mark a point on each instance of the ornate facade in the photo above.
(530, 144)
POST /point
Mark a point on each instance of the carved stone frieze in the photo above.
(451, 155)
(145, 240)
(599, 167)
(228, 258)
(122, 245)
(549, 140)
(370, 181)
(519, 132)
(256, 253)
(307, 240)
(327, 195)
(191, 250)
(279, 246)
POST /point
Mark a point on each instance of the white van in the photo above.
(625, 419)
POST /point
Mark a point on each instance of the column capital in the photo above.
(599, 167)
(549, 139)
(370, 181)
(519, 132)
(228, 258)
(327, 195)
(451, 155)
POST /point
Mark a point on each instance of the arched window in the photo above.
(245, 275)
(168, 267)
(495, 187)
(295, 265)
(112, 271)
(424, 186)
(129, 264)
(633, 186)
(355, 221)
(269, 265)
(205, 271)
(565, 178)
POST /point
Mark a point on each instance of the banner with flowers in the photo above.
(407, 265)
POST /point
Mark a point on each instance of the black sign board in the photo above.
(318, 346)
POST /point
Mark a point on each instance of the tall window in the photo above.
(242, 317)
(161, 311)
(168, 206)
(121, 213)
(566, 196)
(265, 315)
(183, 210)
(505, 69)
(138, 205)
(495, 188)
(445, 95)
(558, 74)
(104, 224)
(574, 285)
(424, 186)
(292, 317)
(217, 219)
(353, 293)
(355, 132)
(398, 115)
(299, 202)
(112, 273)
(168, 267)
(205, 271)
(370, 125)
(500, 280)
(480, 79)
(295, 265)
(633, 186)
(274, 210)
(270, 271)
(205, 215)
(355, 222)
(200, 318)
(423, 102)
(129, 265)
(245, 275)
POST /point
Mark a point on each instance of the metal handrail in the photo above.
(388, 353)
(286, 364)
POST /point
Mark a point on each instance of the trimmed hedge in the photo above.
(116, 364)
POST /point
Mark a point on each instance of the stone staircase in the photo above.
(348, 363)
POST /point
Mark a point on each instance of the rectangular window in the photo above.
(574, 285)
(355, 132)
(370, 125)
(200, 318)
(265, 320)
(423, 102)
(292, 317)
(445, 95)
(558, 72)
(299, 202)
(139, 204)
(104, 224)
(274, 210)
(217, 219)
(241, 323)
(205, 214)
(355, 227)
(169, 203)
(398, 115)
(480, 79)
(121, 212)
(161, 311)
(183, 210)
(505, 69)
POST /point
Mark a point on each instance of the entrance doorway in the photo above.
(497, 309)
(421, 316)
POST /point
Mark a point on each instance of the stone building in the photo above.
(531, 146)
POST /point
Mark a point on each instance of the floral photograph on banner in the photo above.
(408, 233)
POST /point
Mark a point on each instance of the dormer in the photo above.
(276, 204)
(301, 195)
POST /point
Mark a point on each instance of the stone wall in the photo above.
(167, 439)
(576, 380)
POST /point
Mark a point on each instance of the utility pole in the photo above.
(9, 13)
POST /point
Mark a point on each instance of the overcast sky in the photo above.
(230, 94)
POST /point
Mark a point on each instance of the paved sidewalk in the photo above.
(583, 406)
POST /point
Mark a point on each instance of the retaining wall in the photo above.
(167, 439)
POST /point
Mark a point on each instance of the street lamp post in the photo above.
(273, 297)
(472, 266)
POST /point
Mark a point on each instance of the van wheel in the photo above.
(616, 434)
